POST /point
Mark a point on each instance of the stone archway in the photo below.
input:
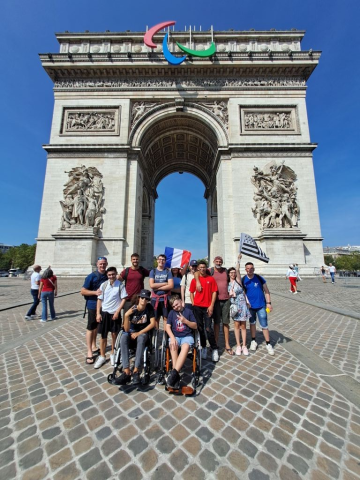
(167, 140)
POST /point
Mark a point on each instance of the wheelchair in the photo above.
(166, 366)
(151, 357)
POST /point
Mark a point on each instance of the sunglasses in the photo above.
(102, 258)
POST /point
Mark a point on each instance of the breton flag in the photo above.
(176, 258)
(249, 247)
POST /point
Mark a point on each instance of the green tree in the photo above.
(329, 259)
(203, 260)
(348, 262)
(18, 257)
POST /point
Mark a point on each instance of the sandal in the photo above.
(92, 360)
(96, 352)
(230, 351)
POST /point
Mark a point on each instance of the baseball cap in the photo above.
(145, 294)
(193, 263)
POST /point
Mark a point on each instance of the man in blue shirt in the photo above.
(259, 297)
(91, 290)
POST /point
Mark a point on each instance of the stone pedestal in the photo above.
(75, 250)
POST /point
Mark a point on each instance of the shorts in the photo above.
(262, 317)
(221, 313)
(161, 310)
(182, 340)
(107, 324)
(92, 323)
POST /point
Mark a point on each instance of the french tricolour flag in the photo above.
(176, 258)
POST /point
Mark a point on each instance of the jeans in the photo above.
(45, 297)
(140, 343)
(205, 322)
(36, 301)
(262, 317)
(332, 275)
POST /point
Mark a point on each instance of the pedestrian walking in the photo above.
(34, 290)
(47, 293)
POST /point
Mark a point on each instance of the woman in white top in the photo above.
(292, 275)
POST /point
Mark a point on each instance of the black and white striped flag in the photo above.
(249, 247)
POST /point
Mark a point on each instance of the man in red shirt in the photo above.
(134, 279)
(203, 307)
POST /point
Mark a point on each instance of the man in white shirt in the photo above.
(35, 282)
(332, 271)
(109, 305)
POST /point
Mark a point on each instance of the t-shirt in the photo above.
(186, 279)
(134, 281)
(178, 328)
(203, 298)
(177, 282)
(254, 290)
(112, 295)
(35, 277)
(140, 320)
(332, 269)
(160, 276)
(221, 278)
(48, 284)
(92, 282)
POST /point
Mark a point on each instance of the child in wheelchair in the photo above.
(180, 328)
(138, 322)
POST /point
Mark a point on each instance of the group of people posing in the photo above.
(44, 289)
(190, 298)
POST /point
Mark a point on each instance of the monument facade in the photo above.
(233, 113)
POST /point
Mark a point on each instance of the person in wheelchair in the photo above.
(138, 322)
(180, 327)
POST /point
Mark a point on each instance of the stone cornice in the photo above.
(272, 149)
(105, 150)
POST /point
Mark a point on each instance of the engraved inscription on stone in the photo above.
(268, 120)
(275, 196)
(83, 200)
(90, 121)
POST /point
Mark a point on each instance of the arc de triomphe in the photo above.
(124, 118)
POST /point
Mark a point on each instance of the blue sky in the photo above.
(27, 100)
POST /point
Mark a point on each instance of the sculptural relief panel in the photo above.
(83, 200)
(275, 196)
(269, 121)
(90, 121)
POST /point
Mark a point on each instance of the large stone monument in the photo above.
(124, 118)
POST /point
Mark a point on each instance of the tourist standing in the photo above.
(133, 277)
(185, 284)
(323, 273)
(332, 271)
(34, 290)
(239, 309)
(161, 282)
(292, 275)
(258, 295)
(203, 307)
(47, 292)
(90, 290)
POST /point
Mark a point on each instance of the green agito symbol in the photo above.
(148, 40)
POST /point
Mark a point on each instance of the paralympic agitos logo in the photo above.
(148, 40)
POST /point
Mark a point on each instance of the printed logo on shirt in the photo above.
(139, 319)
(180, 327)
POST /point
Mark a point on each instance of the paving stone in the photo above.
(83, 445)
(333, 439)
(90, 459)
(154, 432)
(61, 458)
(225, 473)
(9, 471)
(247, 447)
(100, 471)
(204, 434)
(230, 434)
(6, 443)
(132, 472)
(267, 462)
(286, 473)
(274, 449)
(36, 473)
(302, 450)
(193, 472)
(255, 435)
(179, 460)
(192, 445)
(258, 475)
(103, 433)
(29, 432)
(51, 433)
(298, 463)
(238, 460)
(28, 445)
(168, 422)
(31, 459)
(329, 467)
(110, 445)
(148, 460)
(208, 460)
(165, 444)
(120, 459)
(6, 457)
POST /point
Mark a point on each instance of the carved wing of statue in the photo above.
(94, 172)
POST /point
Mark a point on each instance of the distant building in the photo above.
(339, 251)
(4, 248)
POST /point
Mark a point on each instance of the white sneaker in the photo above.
(204, 353)
(215, 356)
(43, 321)
(253, 345)
(295, 293)
(28, 317)
(112, 359)
(270, 349)
(33, 316)
(100, 361)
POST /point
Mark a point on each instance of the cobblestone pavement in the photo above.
(256, 417)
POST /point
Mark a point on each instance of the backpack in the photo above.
(126, 274)
(122, 284)
(260, 280)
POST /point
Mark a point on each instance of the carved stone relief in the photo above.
(275, 196)
(160, 83)
(83, 200)
(273, 121)
(139, 109)
(90, 121)
(220, 109)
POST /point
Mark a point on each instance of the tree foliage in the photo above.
(348, 262)
(18, 257)
(329, 259)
